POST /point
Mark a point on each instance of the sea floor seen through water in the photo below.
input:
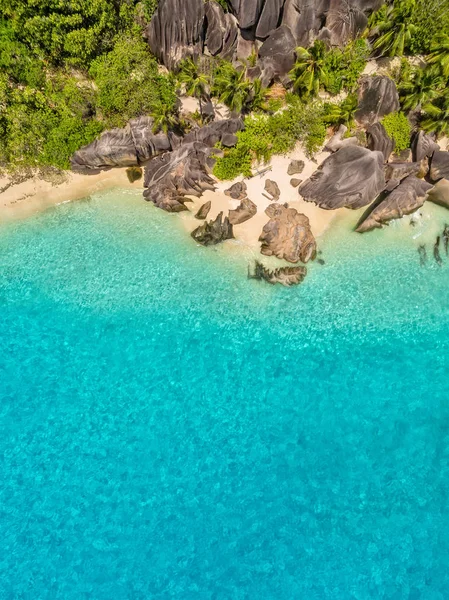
(171, 429)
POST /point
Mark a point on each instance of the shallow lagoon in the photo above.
(171, 429)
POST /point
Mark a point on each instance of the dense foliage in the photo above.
(269, 134)
(398, 129)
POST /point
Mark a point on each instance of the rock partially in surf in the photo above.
(352, 178)
(378, 97)
(295, 182)
(204, 210)
(244, 211)
(286, 276)
(296, 167)
(213, 232)
(237, 191)
(439, 194)
(407, 197)
(378, 140)
(439, 165)
(272, 188)
(287, 235)
(173, 176)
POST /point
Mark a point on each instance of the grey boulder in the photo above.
(287, 235)
(203, 210)
(272, 188)
(407, 197)
(439, 165)
(377, 97)
(237, 191)
(423, 146)
(352, 177)
(378, 140)
(296, 167)
(439, 194)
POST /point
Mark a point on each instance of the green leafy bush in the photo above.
(344, 67)
(398, 129)
(266, 135)
(129, 83)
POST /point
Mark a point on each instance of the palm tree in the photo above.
(436, 115)
(257, 99)
(164, 118)
(439, 54)
(392, 28)
(343, 113)
(231, 86)
(420, 88)
(196, 82)
(309, 71)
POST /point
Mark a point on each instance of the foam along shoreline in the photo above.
(20, 200)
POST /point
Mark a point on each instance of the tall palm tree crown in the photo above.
(309, 71)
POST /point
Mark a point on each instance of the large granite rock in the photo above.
(423, 146)
(378, 140)
(439, 194)
(395, 172)
(338, 140)
(136, 143)
(244, 211)
(171, 177)
(125, 147)
(287, 235)
(407, 197)
(284, 275)
(237, 191)
(221, 31)
(203, 210)
(378, 97)
(277, 55)
(439, 165)
(272, 188)
(352, 177)
(175, 31)
(213, 232)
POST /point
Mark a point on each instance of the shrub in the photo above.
(398, 129)
(344, 67)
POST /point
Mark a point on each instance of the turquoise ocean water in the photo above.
(170, 429)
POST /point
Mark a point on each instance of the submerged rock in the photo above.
(284, 275)
(296, 167)
(378, 97)
(287, 235)
(203, 210)
(352, 178)
(213, 232)
(378, 140)
(439, 165)
(244, 211)
(408, 196)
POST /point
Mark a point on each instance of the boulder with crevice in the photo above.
(244, 211)
(170, 178)
(423, 146)
(175, 31)
(378, 140)
(287, 235)
(407, 197)
(439, 165)
(213, 232)
(377, 97)
(277, 55)
(221, 31)
(352, 177)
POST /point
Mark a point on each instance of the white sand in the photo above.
(248, 233)
(35, 194)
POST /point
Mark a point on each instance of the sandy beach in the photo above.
(28, 197)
